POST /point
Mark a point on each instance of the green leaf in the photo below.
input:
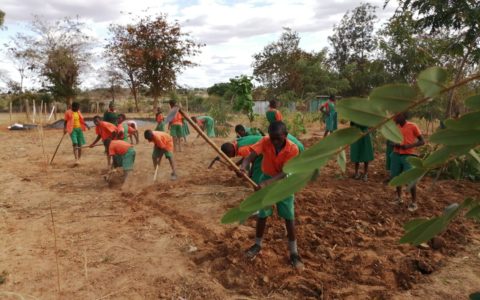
(441, 155)
(466, 122)
(286, 187)
(342, 161)
(451, 137)
(360, 111)
(408, 177)
(254, 201)
(391, 132)
(415, 161)
(474, 154)
(474, 212)
(474, 296)
(393, 97)
(235, 215)
(473, 102)
(319, 154)
(413, 223)
(432, 81)
(424, 232)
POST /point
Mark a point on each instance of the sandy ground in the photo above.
(165, 240)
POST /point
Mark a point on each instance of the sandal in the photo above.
(253, 251)
(296, 262)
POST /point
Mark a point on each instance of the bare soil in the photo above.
(164, 240)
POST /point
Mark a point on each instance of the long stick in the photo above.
(58, 146)
(155, 174)
(82, 147)
(219, 151)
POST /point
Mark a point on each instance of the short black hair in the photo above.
(239, 127)
(228, 148)
(276, 126)
(272, 103)
(148, 134)
(75, 105)
(172, 102)
(97, 117)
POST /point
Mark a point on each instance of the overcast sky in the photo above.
(232, 30)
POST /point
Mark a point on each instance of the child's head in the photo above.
(228, 149)
(272, 104)
(240, 130)
(332, 97)
(75, 106)
(400, 118)
(96, 120)
(172, 103)
(121, 118)
(278, 133)
(148, 135)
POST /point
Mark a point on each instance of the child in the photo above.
(361, 151)
(277, 150)
(176, 127)
(162, 144)
(75, 126)
(272, 113)
(106, 132)
(328, 108)
(412, 138)
(186, 130)
(242, 131)
(206, 123)
(124, 131)
(241, 147)
(123, 155)
(159, 118)
(134, 126)
(110, 115)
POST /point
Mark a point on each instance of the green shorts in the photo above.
(399, 163)
(176, 131)
(125, 161)
(77, 137)
(157, 153)
(160, 127)
(285, 208)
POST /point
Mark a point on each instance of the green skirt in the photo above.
(331, 121)
(160, 127)
(186, 130)
(362, 150)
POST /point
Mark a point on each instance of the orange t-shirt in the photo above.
(243, 151)
(411, 133)
(131, 129)
(105, 130)
(160, 118)
(69, 119)
(163, 140)
(178, 120)
(272, 163)
(118, 147)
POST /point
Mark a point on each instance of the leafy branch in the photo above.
(376, 112)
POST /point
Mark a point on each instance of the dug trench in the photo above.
(348, 233)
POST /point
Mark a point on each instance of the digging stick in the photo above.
(155, 174)
(82, 147)
(58, 146)
(219, 151)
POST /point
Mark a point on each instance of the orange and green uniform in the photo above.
(160, 125)
(242, 148)
(75, 125)
(398, 158)
(105, 130)
(331, 122)
(273, 115)
(176, 126)
(123, 154)
(208, 123)
(272, 165)
(123, 130)
(162, 143)
(111, 116)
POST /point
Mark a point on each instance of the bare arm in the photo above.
(95, 141)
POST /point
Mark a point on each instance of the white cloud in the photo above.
(232, 30)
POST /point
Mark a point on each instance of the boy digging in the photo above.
(412, 138)
(277, 150)
(123, 155)
(162, 144)
(75, 126)
(106, 132)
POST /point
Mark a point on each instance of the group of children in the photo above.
(262, 157)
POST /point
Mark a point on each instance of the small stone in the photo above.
(424, 246)
(437, 243)
(192, 249)
(265, 279)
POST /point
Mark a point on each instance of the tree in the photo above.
(113, 79)
(2, 17)
(354, 43)
(122, 53)
(275, 65)
(22, 56)
(60, 52)
(458, 20)
(241, 87)
(164, 51)
(219, 89)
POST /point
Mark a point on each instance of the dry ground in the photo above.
(165, 241)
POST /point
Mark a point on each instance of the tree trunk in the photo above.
(155, 101)
(27, 110)
(451, 100)
(69, 102)
(135, 98)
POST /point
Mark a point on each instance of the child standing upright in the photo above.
(176, 126)
(273, 114)
(75, 126)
